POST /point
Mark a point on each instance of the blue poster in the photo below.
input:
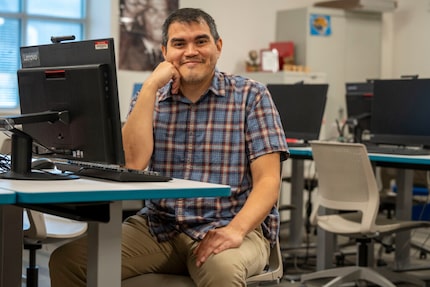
(320, 25)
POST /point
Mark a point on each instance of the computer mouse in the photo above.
(42, 163)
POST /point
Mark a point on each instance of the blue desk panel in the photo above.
(413, 161)
(90, 190)
(7, 197)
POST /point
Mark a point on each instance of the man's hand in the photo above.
(264, 195)
(162, 74)
(216, 241)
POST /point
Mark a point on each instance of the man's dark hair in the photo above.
(189, 15)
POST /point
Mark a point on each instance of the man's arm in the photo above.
(137, 133)
(266, 181)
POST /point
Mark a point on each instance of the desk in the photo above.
(7, 210)
(104, 251)
(325, 248)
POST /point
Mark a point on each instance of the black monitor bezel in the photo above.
(83, 53)
(294, 129)
(412, 94)
(358, 100)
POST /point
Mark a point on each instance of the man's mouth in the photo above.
(192, 62)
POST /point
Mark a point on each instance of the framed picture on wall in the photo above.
(140, 28)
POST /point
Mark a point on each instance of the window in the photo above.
(32, 22)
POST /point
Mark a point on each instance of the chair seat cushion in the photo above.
(349, 224)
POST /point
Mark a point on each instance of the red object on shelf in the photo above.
(285, 50)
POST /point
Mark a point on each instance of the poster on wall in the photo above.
(140, 36)
(320, 25)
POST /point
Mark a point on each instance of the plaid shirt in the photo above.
(213, 140)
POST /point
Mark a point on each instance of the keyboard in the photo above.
(110, 172)
(397, 150)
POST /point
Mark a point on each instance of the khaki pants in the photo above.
(141, 254)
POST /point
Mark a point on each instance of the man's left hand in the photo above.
(216, 241)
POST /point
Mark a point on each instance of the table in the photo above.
(325, 246)
(7, 198)
(104, 233)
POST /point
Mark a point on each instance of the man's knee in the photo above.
(220, 272)
(67, 263)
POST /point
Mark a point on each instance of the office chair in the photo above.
(40, 228)
(273, 273)
(346, 182)
(310, 183)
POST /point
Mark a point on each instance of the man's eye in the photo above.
(178, 45)
(202, 42)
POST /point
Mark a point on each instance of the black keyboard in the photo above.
(397, 150)
(111, 172)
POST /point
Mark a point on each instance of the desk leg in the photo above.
(104, 250)
(326, 243)
(10, 246)
(296, 219)
(403, 212)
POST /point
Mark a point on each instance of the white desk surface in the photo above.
(90, 190)
(388, 158)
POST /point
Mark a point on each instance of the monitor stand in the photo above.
(21, 161)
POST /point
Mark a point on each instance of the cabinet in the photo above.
(346, 49)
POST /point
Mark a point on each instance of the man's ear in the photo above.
(219, 46)
(164, 51)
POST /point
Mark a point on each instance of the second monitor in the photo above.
(301, 108)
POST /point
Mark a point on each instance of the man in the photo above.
(191, 121)
(140, 45)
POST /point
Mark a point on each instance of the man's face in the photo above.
(192, 50)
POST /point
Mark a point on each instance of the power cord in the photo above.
(5, 163)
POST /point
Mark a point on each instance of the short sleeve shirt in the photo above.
(212, 140)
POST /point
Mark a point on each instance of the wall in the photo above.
(243, 25)
(250, 24)
(411, 40)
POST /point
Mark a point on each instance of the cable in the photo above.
(5, 163)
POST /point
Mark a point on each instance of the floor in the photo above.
(297, 262)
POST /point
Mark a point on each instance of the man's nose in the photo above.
(191, 49)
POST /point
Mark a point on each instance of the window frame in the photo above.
(24, 19)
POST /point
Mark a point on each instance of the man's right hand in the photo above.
(162, 74)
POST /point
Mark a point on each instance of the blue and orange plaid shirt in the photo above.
(213, 140)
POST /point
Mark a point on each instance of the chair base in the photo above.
(355, 273)
(32, 275)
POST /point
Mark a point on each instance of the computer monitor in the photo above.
(359, 107)
(78, 81)
(301, 108)
(400, 112)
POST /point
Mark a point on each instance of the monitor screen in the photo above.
(400, 113)
(359, 103)
(301, 108)
(78, 78)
